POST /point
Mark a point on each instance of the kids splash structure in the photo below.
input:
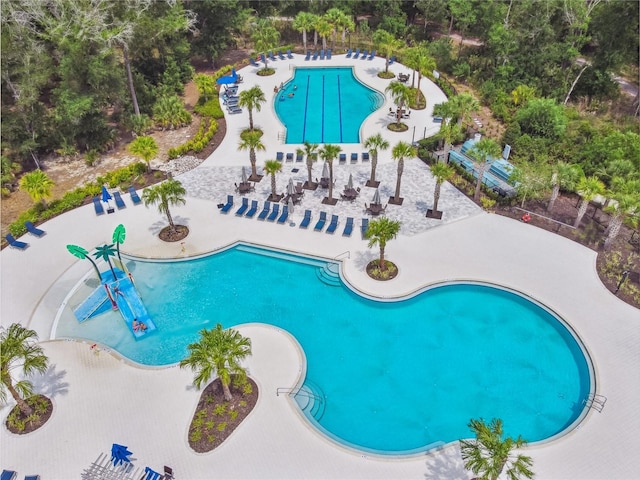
(116, 291)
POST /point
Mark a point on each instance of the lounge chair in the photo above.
(348, 227)
(356, 53)
(285, 214)
(32, 477)
(8, 475)
(134, 196)
(253, 62)
(373, 55)
(322, 54)
(16, 243)
(321, 221)
(365, 156)
(289, 56)
(263, 59)
(354, 158)
(298, 157)
(349, 53)
(168, 473)
(364, 227)
(252, 211)
(265, 210)
(271, 57)
(33, 230)
(279, 156)
(392, 60)
(280, 55)
(289, 157)
(306, 220)
(234, 109)
(328, 54)
(227, 206)
(333, 225)
(119, 202)
(343, 158)
(315, 55)
(364, 54)
(97, 205)
(274, 213)
(308, 55)
(243, 208)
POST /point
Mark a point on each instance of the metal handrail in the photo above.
(348, 252)
(298, 391)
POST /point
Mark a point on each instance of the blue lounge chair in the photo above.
(349, 53)
(134, 196)
(348, 228)
(263, 59)
(253, 62)
(32, 477)
(364, 227)
(119, 202)
(243, 208)
(321, 221)
(33, 230)
(308, 55)
(354, 158)
(333, 225)
(306, 220)
(342, 158)
(265, 210)
(233, 109)
(254, 208)
(322, 54)
(356, 53)
(274, 213)
(15, 243)
(285, 214)
(97, 205)
(365, 156)
(364, 54)
(289, 157)
(271, 57)
(328, 54)
(392, 60)
(280, 55)
(279, 156)
(289, 56)
(373, 55)
(8, 475)
(298, 157)
(227, 206)
(315, 55)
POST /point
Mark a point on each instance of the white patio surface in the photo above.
(100, 399)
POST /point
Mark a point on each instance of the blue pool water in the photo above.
(328, 106)
(394, 376)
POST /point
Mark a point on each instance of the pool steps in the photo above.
(311, 400)
(329, 274)
(282, 255)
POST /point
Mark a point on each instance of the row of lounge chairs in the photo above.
(13, 475)
(32, 229)
(316, 54)
(271, 57)
(280, 156)
(99, 209)
(365, 55)
(342, 158)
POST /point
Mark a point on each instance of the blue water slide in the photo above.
(131, 307)
(92, 304)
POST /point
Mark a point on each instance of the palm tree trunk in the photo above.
(386, 64)
(447, 147)
(396, 196)
(252, 159)
(436, 196)
(132, 90)
(581, 211)
(331, 180)
(483, 168)
(382, 265)
(22, 405)
(309, 170)
(226, 391)
(315, 39)
(251, 118)
(374, 164)
(170, 218)
(273, 186)
(304, 39)
(614, 228)
(554, 195)
(418, 90)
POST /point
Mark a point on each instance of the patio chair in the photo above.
(227, 206)
(285, 214)
(279, 156)
(392, 60)
(234, 109)
(265, 210)
(364, 227)
(343, 158)
(365, 156)
(321, 221)
(322, 54)
(289, 157)
(328, 54)
(373, 55)
(364, 54)
(243, 208)
(8, 475)
(306, 219)
(119, 202)
(253, 62)
(289, 56)
(271, 57)
(280, 55)
(33, 230)
(263, 59)
(97, 205)
(315, 55)
(168, 473)
(349, 53)
(308, 55)
(252, 211)
(32, 477)
(348, 227)
(354, 158)
(333, 224)
(134, 196)
(298, 157)
(274, 213)
(356, 53)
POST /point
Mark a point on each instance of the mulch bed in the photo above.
(390, 272)
(168, 234)
(36, 420)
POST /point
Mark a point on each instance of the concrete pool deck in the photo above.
(99, 399)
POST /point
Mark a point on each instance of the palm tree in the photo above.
(265, 37)
(81, 253)
(324, 29)
(564, 176)
(118, 237)
(522, 94)
(411, 58)
(304, 22)
(333, 17)
(309, 150)
(587, 188)
(38, 185)
(626, 204)
(387, 44)
(144, 147)
(18, 351)
(441, 172)
(398, 153)
(271, 167)
(425, 67)
(252, 141)
(374, 144)
(329, 153)
(484, 150)
(165, 194)
(218, 351)
(464, 105)
(252, 98)
(449, 131)
(345, 24)
(105, 252)
(380, 231)
(401, 95)
(488, 455)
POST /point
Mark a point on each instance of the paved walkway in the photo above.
(99, 399)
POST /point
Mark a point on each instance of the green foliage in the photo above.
(144, 147)
(211, 108)
(198, 142)
(91, 157)
(220, 409)
(487, 203)
(37, 184)
(222, 426)
(542, 117)
(9, 171)
(169, 112)
(139, 124)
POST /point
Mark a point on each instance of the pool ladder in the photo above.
(595, 401)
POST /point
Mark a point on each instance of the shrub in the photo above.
(91, 157)
(211, 108)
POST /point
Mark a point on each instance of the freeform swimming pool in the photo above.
(393, 377)
(327, 105)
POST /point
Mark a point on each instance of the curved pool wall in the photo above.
(374, 345)
(332, 109)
